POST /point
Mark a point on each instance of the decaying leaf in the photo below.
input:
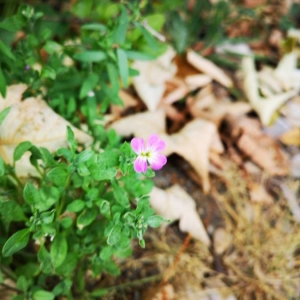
(32, 120)
(258, 193)
(128, 101)
(222, 240)
(246, 135)
(175, 204)
(289, 78)
(193, 142)
(150, 83)
(209, 68)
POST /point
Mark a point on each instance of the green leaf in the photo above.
(88, 85)
(6, 51)
(136, 55)
(113, 76)
(119, 33)
(94, 26)
(43, 295)
(52, 47)
(98, 173)
(105, 209)
(22, 283)
(2, 84)
(30, 194)
(123, 66)
(99, 292)
(121, 196)
(2, 167)
(58, 250)
(90, 56)
(48, 72)
(21, 149)
(47, 217)
(76, 206)
(58, 176)
(45, 260)
(86, 217)
(71, 139)
(155, 221)
(16, 242)
(114, 235)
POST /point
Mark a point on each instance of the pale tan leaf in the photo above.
(175, 204)
(265, 107)
(150, 83)
(196, 81)
(258, 193)
(32, 120)
(209, 68)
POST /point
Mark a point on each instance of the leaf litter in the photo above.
(249, 248)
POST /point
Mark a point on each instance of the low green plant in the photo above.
(78, 213)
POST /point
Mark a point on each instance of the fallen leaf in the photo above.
(265, 107)
(295, 166)
(291, 137)
(193, 142)
(32, 120)
(158, 292)
(246, 135)
(209, 68)
(175, 204)
(150, 83)
(292, 201)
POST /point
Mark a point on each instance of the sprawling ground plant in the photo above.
(78, 213)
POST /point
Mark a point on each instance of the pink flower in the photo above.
(148, 153)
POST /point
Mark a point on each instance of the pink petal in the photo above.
(137, 145)
(157, 161)
(140, 165)
(155, 143)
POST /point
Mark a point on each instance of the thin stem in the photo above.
(8, 273)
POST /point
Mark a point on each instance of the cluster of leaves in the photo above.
(82, 210)
(76, 63)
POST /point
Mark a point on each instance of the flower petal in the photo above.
(157, 161)
(155, 143)
(140, 165)
(137, 145)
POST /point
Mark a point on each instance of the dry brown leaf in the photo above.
(209, 68)
(150, 83)
(193, 142)
(175, 204)
(291, 137)
(32, 120)
(245, 133)
(158, 292)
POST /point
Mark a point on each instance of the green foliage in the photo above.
(79, 215)
(83, 208)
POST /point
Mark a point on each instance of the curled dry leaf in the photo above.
(266, 107)
(32, 120)
(209, 68)
(193, 142)
(175, 204)
(246, 135)
(150, 83)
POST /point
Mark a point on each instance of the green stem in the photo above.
(8, 273)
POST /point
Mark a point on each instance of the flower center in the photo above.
(145, 154)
